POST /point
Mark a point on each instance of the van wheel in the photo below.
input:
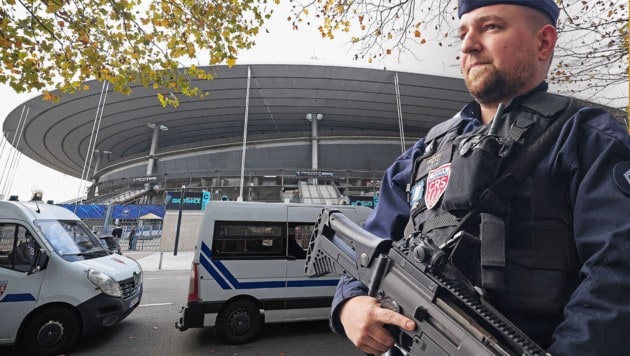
(239, 322)
(50, 332)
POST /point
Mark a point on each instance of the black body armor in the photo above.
(518, 245)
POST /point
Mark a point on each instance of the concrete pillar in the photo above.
(314, 118)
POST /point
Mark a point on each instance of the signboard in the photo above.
(314, 174)
(368, 201)
(192, 200)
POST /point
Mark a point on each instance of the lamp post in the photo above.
(179, 217)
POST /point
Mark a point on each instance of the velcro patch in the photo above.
(621, 173)
(437, 180)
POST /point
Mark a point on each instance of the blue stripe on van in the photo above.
(313, 283)
(21, 297)
(212, 265)
(246, 285)
(213, 272)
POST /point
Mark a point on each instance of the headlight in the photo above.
(105, 283)
(140, 269)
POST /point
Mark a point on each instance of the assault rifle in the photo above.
(416, 279)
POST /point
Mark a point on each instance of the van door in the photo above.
(19, 286)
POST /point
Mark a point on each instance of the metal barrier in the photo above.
(141, 244)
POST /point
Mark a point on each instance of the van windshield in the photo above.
(71, 239)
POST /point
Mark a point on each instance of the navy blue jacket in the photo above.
(593, 153)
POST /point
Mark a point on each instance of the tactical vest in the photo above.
(519, 245)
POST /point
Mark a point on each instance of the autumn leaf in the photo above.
(125, 43)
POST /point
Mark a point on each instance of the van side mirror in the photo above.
(41, 261)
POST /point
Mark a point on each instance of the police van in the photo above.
(57, 282)
(248, 268)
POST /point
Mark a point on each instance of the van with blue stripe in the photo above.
(248, 268)
(57, 281)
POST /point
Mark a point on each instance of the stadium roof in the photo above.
(353, 101)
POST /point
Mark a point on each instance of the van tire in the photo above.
(239, 322)
(50, 332)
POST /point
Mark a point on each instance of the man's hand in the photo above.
(363, 320)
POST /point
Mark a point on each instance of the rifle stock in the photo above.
(451, 317)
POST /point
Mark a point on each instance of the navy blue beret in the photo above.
(547, 7)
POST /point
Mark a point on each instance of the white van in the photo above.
(57, 282)
(248, 268)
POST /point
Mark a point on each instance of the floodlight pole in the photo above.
(249, 77)
(179, 218)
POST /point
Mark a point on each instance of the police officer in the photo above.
(565, 274)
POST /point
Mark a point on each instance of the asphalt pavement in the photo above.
(163, 260)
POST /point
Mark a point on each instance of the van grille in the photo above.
(130, 286)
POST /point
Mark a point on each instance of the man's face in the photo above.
(498, 55)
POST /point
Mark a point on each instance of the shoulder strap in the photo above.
(522, 165)
(430, 142)
(442, 128)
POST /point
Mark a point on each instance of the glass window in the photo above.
(71, 239)
(234, 239)
(18, 248)
(299, 238)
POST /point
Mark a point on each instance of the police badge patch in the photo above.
(437, 180)
(621, 173)
(417, 193)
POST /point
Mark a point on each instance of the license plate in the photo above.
(134, 301)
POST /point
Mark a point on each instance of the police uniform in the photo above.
(587, 170)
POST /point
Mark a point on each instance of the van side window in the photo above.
(299, 237)
(18, 248)
(234, 239)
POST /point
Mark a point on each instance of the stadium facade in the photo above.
(265, 132)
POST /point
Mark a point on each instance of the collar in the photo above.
(471, 113)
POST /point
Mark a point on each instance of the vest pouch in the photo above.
(474, 168)
(492, 236)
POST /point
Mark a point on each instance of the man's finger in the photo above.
(391, 317)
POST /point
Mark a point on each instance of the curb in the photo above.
(162, 261)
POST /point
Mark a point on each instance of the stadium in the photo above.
(307, 133)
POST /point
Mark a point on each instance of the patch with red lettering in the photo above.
(3, 287)
(437, 180)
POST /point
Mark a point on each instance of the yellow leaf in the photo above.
(231, 62)
(47, 96)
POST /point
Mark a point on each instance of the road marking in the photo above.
(154, 304)
(169, 278)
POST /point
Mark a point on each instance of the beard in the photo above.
(490, 86)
